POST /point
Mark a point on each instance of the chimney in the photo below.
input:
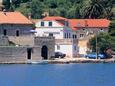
(4, 11)
(29, 15)
(45, 14)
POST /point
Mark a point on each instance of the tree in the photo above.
(16, 3)
(62, 11)
(6, 4)
(94, 9)
(54, 12)
(74, 12)
(103, 41)
(65, 8)
(24, 9)
(36, 9)
(112, 29)
(25, 1)
(112, 34)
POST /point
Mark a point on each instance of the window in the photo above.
(101, 30)
(58, 47)
(17, 33)
(5, 32)
(81, 35)
(42, 23)
(50, 34)
(65, 35)
(75, 36)
(50, 23)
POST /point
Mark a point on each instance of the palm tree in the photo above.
(94, 9)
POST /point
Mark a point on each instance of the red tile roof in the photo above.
(54, 18)
(35, 20)
(13, 18)
(76, 23)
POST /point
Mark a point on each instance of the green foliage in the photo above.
(112, 29)
(104, 40)
(54, 12)
(65, 8)
(97, 9)
(6, 3)
(36, 9)
(24, 8)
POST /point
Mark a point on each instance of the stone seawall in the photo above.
(14, 54)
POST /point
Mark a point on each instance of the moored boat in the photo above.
(38, 62)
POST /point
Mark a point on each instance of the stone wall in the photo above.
(12, 28)
(46, 41)
(4, 41)
(22, 40)
(88, 32)
(36, 42)
(12, 54)
(18, 54)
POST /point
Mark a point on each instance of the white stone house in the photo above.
(65, 37)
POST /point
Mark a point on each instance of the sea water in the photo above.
(83, 74)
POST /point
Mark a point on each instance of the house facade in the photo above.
(65, 37)
(14, 24)
(86, 29)
(67, 31)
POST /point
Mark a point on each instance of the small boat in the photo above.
(38, 62)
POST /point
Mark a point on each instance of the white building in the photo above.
(58, 27)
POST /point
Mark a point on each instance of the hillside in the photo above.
(65, 8)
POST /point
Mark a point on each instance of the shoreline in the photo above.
(81, 60)
(63, 61)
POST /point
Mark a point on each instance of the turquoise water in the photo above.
(58, 75)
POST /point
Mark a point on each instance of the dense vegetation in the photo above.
(65, 8)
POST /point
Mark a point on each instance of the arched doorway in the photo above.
(44, 52)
